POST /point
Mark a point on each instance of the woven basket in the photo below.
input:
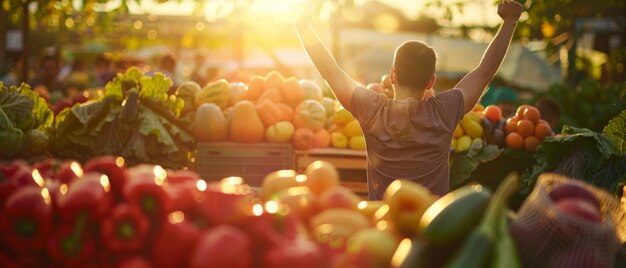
(548, 237)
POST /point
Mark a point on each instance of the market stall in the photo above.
(270, 173)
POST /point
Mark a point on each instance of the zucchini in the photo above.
(454, 215)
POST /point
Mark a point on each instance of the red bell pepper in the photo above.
(300, 253)
(174, 244)
(125, 230)
(222, 246)
(69, 171)
(48, 168)
(272, 230)
(72, 245)
(88, 196)
(26, 220)
(135, 262)
(113, 167)
(144, 189)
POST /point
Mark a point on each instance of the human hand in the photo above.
(510, 10)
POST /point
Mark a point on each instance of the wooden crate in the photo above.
(252, 162)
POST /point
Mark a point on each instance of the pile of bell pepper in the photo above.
(62, 213)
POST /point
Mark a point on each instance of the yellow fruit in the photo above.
(321, 175)
(478, 108)
(377, 244)
(458, 131)
(471, 127)
(278, 181)
(463, 143)
(338, 140)
(352, 129)
(407, 202)
(368, 208)
(351, 219)
(343, 116)
(453, 144)
(357, 143)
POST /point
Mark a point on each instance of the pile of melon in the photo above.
(271, 108)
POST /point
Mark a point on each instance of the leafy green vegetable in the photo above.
(11, 142)
(462, 165)
(579, 154)
(23, 111)
(616, 131)
(14, 109)
(153, 134)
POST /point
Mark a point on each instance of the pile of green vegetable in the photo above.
(135, 118)
(24, 122)
(579, 153)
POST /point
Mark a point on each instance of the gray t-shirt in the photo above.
(407, 139)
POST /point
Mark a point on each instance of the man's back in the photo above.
(407, 139)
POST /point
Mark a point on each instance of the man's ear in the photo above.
(393, 76)
(431, 82)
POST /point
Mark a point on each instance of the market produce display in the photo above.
(269, 108)
(135, 118)
(25, 121)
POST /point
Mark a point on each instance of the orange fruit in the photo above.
(525, 127)
(514, 141)
(520, 109)
(541, 121)
(542, 131)
(531, 113)
(493, 113)
(511, 124)
(531, 143)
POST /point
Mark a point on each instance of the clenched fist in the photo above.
(509, 10)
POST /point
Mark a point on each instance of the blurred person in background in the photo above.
(78, 77)
(102, 71)
(167, 66)
(549, 110)
(47, 76)
(12, 78)
(198, 74)
(506, 99)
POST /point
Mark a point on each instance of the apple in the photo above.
(379, 245)
(573, 190)
(334, 236)
(222, 246)
(407, 202)
(338, 197)
(580, 209)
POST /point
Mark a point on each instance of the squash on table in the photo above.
(292, 92)
(210, 124)
(303, 139)
(312, 91)
(245, 124)
(280, 132)
(310, 114)
(256, 85)
(274, 80)
(268, 112)
(270, 94)
(217, 92)
(287, 112)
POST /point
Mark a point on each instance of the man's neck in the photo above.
(403, 93)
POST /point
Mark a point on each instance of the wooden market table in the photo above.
(350, 163)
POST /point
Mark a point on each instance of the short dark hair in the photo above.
(414, 64)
